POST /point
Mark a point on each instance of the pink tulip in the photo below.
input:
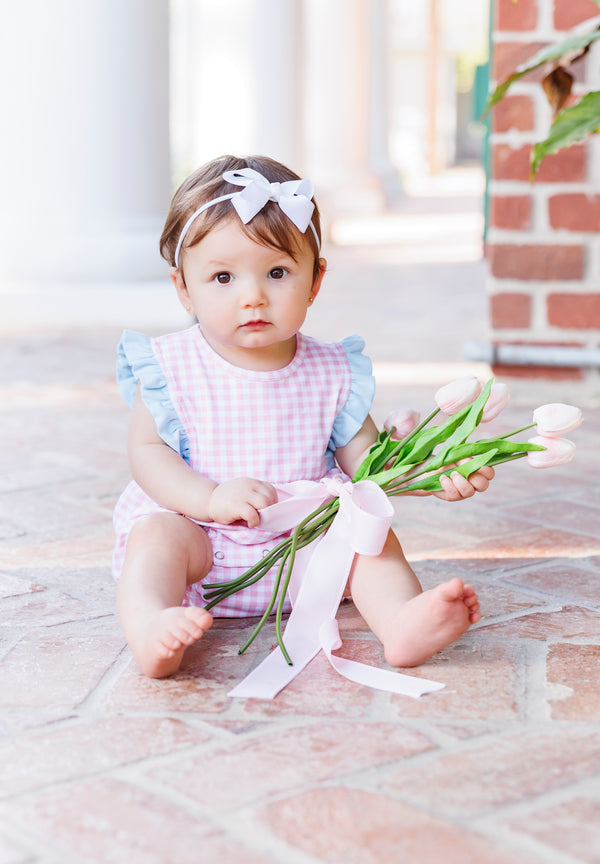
(497, 400)
(457, 394)
(404, 421)
(558, 451)
(555, 419)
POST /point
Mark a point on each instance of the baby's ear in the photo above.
(316, 286)
(176, 277)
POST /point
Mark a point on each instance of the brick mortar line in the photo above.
(561, 599)
(543, 193)
(560, 187)
(93, 700)
(494, 813)
(529, 87)
(547, 337)
(510, 731)
(587, 788)
(543, 608)
(37, 844)
(541, 286)
(543, 32)
(544, 236)
(522, 843)
(232, 822)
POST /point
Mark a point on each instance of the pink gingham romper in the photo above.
(229, 422)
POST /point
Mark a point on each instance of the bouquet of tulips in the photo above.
(410, 456)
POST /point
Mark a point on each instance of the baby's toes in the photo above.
(184, 634)
(197, 621)
(172, 642)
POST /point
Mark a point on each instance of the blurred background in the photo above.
(108, 104)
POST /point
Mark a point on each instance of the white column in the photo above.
(84, 143)
(337, 106)
(237, 80)
(276, 37)
(379, 114)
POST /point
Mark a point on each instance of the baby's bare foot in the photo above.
(166, 636)
(430, 621)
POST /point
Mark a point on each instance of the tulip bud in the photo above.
(404, 422)
(457, 394)
(555, 419)
(497, 400)
(558, 451)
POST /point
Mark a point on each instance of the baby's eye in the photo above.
(223, 278)
(278, 273)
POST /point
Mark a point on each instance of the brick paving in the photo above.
(99, 764)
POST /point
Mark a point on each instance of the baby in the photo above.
(224, 411)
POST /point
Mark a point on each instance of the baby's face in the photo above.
(250, 300)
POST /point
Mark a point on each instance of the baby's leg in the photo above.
(165, 553)
(412, 624)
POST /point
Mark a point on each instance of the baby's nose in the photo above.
(253, 293)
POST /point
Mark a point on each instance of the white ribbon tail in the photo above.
(318, 597)
(369, 676)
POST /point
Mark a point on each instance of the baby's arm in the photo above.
(352, 454)
(169, 480)
(454, 487)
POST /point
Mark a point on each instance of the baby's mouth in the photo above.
(258, 324)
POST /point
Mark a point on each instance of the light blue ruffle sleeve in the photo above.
(362, 390)
(137, 365)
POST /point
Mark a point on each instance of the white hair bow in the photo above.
(293, 197)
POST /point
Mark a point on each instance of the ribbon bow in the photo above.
(318, 581)
(293, 196)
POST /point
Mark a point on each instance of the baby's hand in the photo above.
(241, 498)
(457, 488)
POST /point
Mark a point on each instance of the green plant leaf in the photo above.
(432, 482)
(545, 55)
(572, 124)
(475, 448)
(424, 445)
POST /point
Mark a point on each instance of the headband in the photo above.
(293, 197)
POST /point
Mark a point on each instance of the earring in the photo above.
(188, 308)
(310, 300)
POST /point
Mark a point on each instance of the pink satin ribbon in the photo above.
(318, 581)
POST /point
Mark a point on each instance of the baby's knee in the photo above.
(174, 536)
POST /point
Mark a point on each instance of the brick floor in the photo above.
(98, 764)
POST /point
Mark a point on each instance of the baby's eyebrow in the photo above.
(218, 263)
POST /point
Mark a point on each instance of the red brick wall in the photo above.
(543, 244)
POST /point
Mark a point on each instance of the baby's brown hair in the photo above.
(270, 227)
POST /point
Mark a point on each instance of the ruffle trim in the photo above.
(137, 364)
(362, 390)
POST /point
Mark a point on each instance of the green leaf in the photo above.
(545, 55)
(572, 124)
(424, 445)
(413, 450)
(378, 456)
(384, 478)
(476, 463)
(475, 448)
(432, 482)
